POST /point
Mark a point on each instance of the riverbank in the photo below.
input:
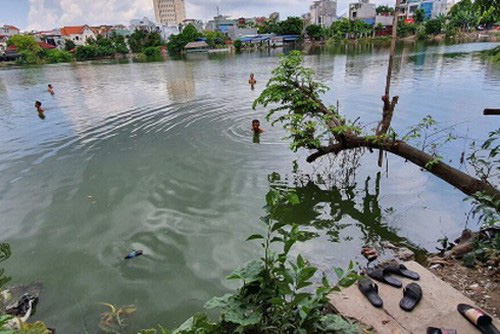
(481, 283)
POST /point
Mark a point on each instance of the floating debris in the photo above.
(114, 321)
(134, 254)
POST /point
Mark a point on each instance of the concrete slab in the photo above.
(438, 307)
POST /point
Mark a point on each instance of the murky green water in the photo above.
(159, 157)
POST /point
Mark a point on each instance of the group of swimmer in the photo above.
(38, 104)
(257, 130)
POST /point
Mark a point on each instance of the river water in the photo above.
(159, 157)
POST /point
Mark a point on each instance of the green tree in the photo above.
(177, 43)
(69, 45)
(58, 56)
(489, 17)
(136, 40)
(215, 38)
(315, 32)
(433, 27)
(86, 52)
(340, 28)
(384, 9)
(291, 26)
(419, 16)
(238, 45)
(463, 16)
(27, 47)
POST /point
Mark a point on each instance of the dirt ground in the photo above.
(481, 284)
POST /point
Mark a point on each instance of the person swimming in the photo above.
(256, 127)
(252, 81)
(39, 108)
(51, 90)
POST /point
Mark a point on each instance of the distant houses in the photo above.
(78, 34)
(6, 32)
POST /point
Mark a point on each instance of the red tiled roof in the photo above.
(46, 45)
(11, 27)
(75, 30)
(11, 48)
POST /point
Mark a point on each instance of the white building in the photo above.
(198, 24)
(323, 12)
(77, 34)
(166, 31)
(8, 30)
(431, 8)
(362, 10)
(144, 24)
(169, 12)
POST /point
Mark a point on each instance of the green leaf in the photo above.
(255, 237)
(293, 199)
(218, 302)
(250, 273)
(339, 272)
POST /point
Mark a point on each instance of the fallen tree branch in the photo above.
(460, 180)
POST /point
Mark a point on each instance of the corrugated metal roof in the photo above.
(196, 45)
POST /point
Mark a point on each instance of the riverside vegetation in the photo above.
(281, 295)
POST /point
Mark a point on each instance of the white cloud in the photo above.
(47, 14)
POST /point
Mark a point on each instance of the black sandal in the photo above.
(478, 318)
(370, 290)
(401, 270)
(412, 294)
(380, 275)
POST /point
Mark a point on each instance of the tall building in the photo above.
(323, 12)
(171, 12)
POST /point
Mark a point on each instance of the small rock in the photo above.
(405, 254)
(436, 266)
(474, 286)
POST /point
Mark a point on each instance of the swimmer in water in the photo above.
(257, 130)
(51, 90)
(252, 81)
(39, 108)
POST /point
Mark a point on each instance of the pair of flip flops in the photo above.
(412, 294)
(383, 274)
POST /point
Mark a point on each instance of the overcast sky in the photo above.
(48, 14)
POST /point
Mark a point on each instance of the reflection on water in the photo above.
(160, 157)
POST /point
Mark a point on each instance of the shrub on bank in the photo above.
(153, 52)
(58, 56)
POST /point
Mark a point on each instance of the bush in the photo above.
(86, 52)
(58, 56)
(238, 44)
(153, 52)
(140, 57)
(433, 27)
(28, 58)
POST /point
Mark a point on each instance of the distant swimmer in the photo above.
(252, 81)
(256, 127)
(39, 108)
(51, 90)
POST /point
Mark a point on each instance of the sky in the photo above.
(48, 14)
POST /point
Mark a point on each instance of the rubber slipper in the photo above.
(478, 318)
(412, 294)
(434, 330)
(370, 290)
(381, 276)
(401, 270)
